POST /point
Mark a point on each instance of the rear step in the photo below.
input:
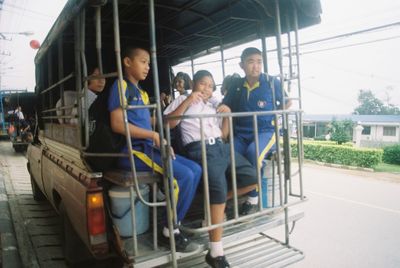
(257, 251)
(245, 245)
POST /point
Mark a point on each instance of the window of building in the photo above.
(366, 130)
(389, 131)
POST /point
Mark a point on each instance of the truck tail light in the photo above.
(95, 213)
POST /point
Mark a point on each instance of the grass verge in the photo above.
(383, 167)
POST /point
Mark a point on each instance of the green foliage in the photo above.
(341, 130)
(391, 154)
(320, 138)
(337, 154)
(369, 104)
(383, 167)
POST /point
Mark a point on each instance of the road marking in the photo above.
(355, 202)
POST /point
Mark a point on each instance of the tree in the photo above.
(370, 105)
(391, 109)
(341, 130)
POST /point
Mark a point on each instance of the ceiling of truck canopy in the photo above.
(189, 27)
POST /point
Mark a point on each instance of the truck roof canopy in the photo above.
(187, 27)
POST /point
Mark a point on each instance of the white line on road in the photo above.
(355, 202)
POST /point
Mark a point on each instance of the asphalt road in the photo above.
(352, 219)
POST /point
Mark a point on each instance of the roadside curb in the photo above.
(339, 166)
(9, 246)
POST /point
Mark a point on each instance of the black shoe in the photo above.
(217, 262)
(182, 243)
(247, 208)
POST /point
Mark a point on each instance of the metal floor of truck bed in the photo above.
(256, 251)
(245, 245)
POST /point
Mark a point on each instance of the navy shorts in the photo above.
(219, 169)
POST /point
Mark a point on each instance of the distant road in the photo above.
(352, 219)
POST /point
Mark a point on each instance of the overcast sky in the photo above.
(332, 76)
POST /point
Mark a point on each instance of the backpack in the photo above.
(176, 140)
(101, 137)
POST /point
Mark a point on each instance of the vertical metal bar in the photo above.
(50, 69)
(221, 45)
(164, 155)
(296, 36)
(78, 70)
(284, 123)
(125, 118)
(42, 85)
(264, 47)
(99, 65)
(233, 169)
(299, 152)
(2, 109)
(289, 83)
(300, 119)
(50, 76)
(98, 39)
(83, 114)
(289, 54)
(170, 78)
(286, 148)
(170, 171)
(273, 180)
(205, 174)
(61, 75)
(155, 229)
(258, 165)
(192, 62)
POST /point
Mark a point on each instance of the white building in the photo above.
(378, 130)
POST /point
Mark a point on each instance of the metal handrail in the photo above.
(238, 114)
(71, 75)
(262, 211)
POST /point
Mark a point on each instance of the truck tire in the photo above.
(75, 251)
(36, 192)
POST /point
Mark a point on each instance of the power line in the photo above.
(341, 101)
(350, 45)
(28, 10)
(358, 73)
(345, 35)
(352, 33)
(29, 16)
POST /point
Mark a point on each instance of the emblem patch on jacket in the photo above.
(261, 104)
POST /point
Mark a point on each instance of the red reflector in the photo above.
(96, 221)
(95, 214)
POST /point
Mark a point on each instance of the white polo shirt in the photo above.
(19, 114)
(190, 128)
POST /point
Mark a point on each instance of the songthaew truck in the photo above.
(108, 212)
(17, 117)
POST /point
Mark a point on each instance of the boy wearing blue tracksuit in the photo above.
(186, 172)
(254, 93)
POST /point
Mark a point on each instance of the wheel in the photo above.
(36, 192)
(75, 251)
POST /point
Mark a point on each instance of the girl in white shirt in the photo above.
(200, 101)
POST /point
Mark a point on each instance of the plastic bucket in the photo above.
(268, 193)
(122, 213)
